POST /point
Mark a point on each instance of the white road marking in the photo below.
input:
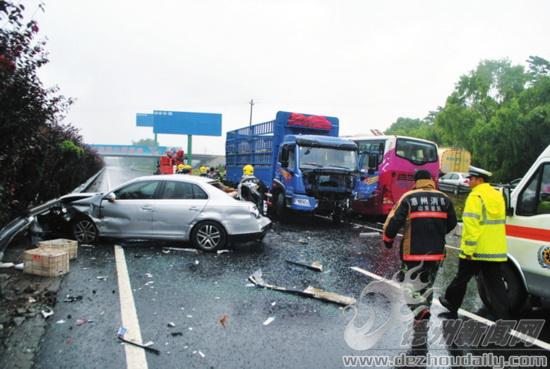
(521, 336)
(108, 179)
(135, 356)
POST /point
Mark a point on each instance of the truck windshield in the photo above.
(417, 152)
(327, 157)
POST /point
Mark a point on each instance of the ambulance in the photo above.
(527, 272)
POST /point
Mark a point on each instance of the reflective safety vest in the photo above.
(484, 230)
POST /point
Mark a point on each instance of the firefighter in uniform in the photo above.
(251, 188)
(483, 246)
(203, 171)
(427, 215)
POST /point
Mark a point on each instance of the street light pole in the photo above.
(251, 102)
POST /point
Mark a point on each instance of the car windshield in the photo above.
(327, 157)
(417, 152)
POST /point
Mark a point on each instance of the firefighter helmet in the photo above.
(203, 169)
(248, 170)
(180, 166)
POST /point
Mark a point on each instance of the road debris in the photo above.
(148, 275)
(310, 291)
(102, 277)
(171, 324)
(47, 313)
(223, 251)
(194, 251)
(20, 266)
(165, 251)
(82, 321)
(148, 343)
(315, 266)
(223, 320)
(303, 241)
(6, 265)
(369, 234)
(176, 334)
(201, 354)
(122, 332)
(61, 321)
(71, 298)
(196, 262)
(269, 320)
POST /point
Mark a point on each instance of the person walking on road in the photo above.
(427, 215)
(483, 245)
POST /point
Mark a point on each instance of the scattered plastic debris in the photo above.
(369, 234)
(189, 316)
(201, 354)
(269, 320)
(19, 266)
(149, 283)
(250, 285)
(196, 262)
(102, 277)
(303, 241)
(6, 265)
(273, 303)
(148, 275)
(223, 320)
(312, 292)
(176, 334)
(190, 328)
(86, 245)
(61, 321)
(171, 324)
(223, 251)
(31, 300)
(315, 266)
(121, 331)
(82, 321)
(71, 298)
(47, 313)
(148, 343)
(194, 251)
(165, 251)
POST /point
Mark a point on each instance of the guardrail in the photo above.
(18, 225)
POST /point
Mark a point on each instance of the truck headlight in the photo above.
(301, 202)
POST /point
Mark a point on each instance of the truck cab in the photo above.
(315, 173)
(527, 272)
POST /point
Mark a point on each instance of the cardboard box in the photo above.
(46, 262)
(70, 246)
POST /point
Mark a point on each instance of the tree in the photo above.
(145, 142)
(39, 157)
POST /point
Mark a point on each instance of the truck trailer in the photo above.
(300, 159)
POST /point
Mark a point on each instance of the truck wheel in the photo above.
(209, 236)
(84, 230)
(517, 295)
(280, 208)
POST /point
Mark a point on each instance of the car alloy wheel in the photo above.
(85, 231)
(209, 236)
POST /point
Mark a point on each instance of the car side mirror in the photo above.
(111, 197)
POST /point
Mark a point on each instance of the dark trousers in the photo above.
(426, 273)
(491, 274)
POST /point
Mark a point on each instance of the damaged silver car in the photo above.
(165, 207)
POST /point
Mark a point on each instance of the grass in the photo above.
(458, 202)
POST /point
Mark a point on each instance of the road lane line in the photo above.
(399, 234)
(108, 180)
(521, 336)
(135, 356)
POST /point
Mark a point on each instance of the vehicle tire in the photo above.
(517, 295)
(84, 230)
(280, 208)
(209, 236)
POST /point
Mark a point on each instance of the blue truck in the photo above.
(301, 159)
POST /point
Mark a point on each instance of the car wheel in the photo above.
(517, 295)
(209, 236)
(85, 231)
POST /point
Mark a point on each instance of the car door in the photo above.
(131, 213)
(178, 205)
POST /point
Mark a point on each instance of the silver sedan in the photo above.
(166, 207)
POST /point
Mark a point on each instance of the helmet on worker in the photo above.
(248, 170)
(180, 166)
(203, 169)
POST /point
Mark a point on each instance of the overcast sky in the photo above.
(366, 62)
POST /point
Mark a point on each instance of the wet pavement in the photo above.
(200, 310)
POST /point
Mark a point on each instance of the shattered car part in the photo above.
(315, 266)
(312, 292)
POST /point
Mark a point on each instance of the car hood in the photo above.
(85, 198)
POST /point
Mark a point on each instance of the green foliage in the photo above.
(499, 112)
(40, 159)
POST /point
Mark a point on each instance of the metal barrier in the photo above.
(18, 225)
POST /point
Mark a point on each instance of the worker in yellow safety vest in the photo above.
(483, 246)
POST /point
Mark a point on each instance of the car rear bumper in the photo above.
(246, 237)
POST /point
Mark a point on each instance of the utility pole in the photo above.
(251, 102)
